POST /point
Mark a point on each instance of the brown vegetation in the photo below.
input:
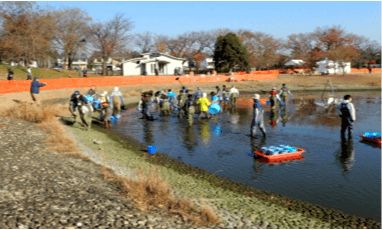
(151, 191)
(46, 119)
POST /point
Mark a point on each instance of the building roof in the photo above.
(295, 62)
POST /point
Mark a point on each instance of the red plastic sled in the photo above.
(280, 157)
(374, 140)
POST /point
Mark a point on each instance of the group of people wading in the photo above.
(185, 104)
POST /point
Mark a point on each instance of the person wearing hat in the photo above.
(283, 93)
(258, 116)
(93, 92)
(75, 100)
(203, 106)
(117, 100)
(273, 97)
(35, 90)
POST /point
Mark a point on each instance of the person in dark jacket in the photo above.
(189, 109)
(85, 73)
(35, 90)
(347, 113)
(258, 117)
(75, 100)
(10, 74)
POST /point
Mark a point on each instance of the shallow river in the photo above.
(343, 177)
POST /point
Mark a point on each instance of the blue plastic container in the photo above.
(151, 149)
(268, 102)
(214, 108)
(97, 105)
(226, 99)
(117, 116)
(112, 119)
(90, 98)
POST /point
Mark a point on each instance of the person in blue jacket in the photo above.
(258, 116)
(347, 113)
(35, 90)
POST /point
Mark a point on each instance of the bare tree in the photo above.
(26, 31)
(72, 32)
(145, 41)
(110, 36)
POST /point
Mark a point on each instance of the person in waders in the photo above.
(273, 98)
(146, 106)
(203, 105)
(347, 113)
(189, 109)
(164, 106)
(233, 94)
(76, 100)
(258, 116)
(283, 94)
(182, 97)
(117, 100)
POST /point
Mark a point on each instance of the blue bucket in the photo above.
(112, 119)
(90, 98)
(268, 102)
(151, 149)
(214, 108)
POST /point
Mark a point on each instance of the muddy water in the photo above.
(342, 176)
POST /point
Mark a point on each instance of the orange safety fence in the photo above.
(16, 86)
(364, 70)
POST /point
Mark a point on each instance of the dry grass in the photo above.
(133, 93)
(2, 126)
(150, 190)
(46, 119)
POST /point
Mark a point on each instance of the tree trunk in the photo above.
(104, 66)
(70, 61)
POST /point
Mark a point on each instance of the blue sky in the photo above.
(277, 18)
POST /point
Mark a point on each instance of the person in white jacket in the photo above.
(347, 113)
(233, 94)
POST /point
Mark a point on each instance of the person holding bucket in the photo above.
(273, 97)
(258, 116)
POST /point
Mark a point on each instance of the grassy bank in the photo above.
(260, 207)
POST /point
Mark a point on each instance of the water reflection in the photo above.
(205, 133)
(347, 157)
(148, 132)
(189, 137)
(284, 116)
(273, 118)
(256, 144)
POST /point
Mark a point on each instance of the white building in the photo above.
(327, 66)
(294, 62)
(148, 62)
(76, 63)
(207, 64)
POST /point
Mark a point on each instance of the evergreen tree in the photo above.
(229, 52)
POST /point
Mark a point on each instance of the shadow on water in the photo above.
(328, 170)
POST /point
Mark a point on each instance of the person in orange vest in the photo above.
(273, 97)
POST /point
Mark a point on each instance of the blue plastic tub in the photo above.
(151, 149)
(214, 108)
(268, 102)
(90, 98)
(112, 119)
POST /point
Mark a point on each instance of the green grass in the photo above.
(20, 73)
